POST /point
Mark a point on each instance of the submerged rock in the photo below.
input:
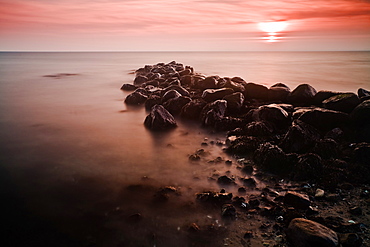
(136, 98)
(159, 119)
(307, 233)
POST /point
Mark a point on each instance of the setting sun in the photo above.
(272, 27)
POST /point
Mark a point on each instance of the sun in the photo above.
(273, 27)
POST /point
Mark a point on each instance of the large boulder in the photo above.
(171, 94)
(308, 167)
(152, 100)
(302, 95)
(213, 112)
(344, 102)
(320, 96)
(237, 85)
(307, 233)
(258, 128)
(363, 93)
(128, 87)
(255, 91)
(272, 158)
(278, 92)
(207, 83)
(193, 109)
(234, 101)
(272, 113)
(210, 95)
(140, 79)
(361, 114)
(299, 138)
(136, 98)
(175, 105)
(324, 119)
(181, 90)
(159, 119)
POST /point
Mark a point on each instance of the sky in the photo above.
(179, 25)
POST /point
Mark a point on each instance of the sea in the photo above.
(76, 163)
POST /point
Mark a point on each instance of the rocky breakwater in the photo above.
(319, 139)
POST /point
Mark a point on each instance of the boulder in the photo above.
(128, 87)
(178, 88)
(140, 79)
(213, 112)
(361, 114)
(136, 98)
(324, 119)
(299, 138)
(363, 93)
(255, 91)
(210, 95)
(296, 200)
(228, 123)
(273, 114)
(234, 101)
(207, 83)
(326, 148)
(186, 80)
(159, 119)
(278, 92)
(235, 85)
(152, 101)
(302, 95)
(258, 128)
(344, 102)
(193, 109)
(175, 105)
(243, 145)
(185, 72)
(307, 233)
(171, 94)
(320, 96)
(308, 167)
(271, 158)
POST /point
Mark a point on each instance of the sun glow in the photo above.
(273, 29)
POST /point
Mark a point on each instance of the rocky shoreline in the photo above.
(318, 141)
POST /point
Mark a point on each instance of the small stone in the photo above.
(225, 180)
(350, 240)
(355, 211)
(193, 227)
(248, 234)
(228, 210)
(297, 200)
(319, 193)
(228, 162)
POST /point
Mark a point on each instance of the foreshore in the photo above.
(311, 150)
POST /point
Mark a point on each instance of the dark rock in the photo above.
(234, 101)
(247, 169)
(355, 211)
(278, 92)
(302, 95)
(193, 227)
(178, 88)
(207, 83)
(326, 148)
(185, 72)
(243, 145)
(255, 91)
(344, 102)
(225, 180)
(235, 85)
(171, 94)
(159, 119)
(297, 200)
(140, 79)
(253, 201)
(299, 138)
(361, 154)
(214, 197)
(350, 240)
(324, 119)
(152, 101)
(228, 123)
(335, 134)
(210, 95)
(320, 96)
(248, 234)
(273, 114)
(238, 80)
(128, 87)
(228, 210)
(309, 166)
(258, 129)
(186, 80)
(307, 233)
(363, 93)
(361, 114)
(175, 105)
(193, 109)
(136, 98)
(249, 182)
(213, 112)
(271, 158)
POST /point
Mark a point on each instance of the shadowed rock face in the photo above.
(302, 95)
(344, 102)
(159, 119)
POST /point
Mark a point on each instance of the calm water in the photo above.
(70, 147)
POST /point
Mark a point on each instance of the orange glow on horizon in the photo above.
(272, 29)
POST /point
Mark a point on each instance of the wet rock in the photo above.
(363, 93)
(136, 98)
(297, 200)
(361, 154)
(355, 210)
(361, 114)
(309, 166)
(302, 95)
(320, 96)
(152, 101)
(273, 114)
(193, 109)
(243, 145)
(175, 105)
(228, 210)
(213, 112)
(344, 102)
(228, 123)
(177, 88)
(350, 240)
(159, 119)
(255, 91)
(323, 119)
(299, 138)
(278, 92)
(209, 82)
(326, 148)
(185, 72)
(171, 94)
(210, 95)
(128, 87)
(237, 85)
(258, 129)
(271, 158)
(186, 80)
(234, 101)
(214, 197)
(140, 79)
(307, 233)
(226, 180)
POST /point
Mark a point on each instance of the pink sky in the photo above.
(177, 25)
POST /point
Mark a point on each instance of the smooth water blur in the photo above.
(69, 144)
